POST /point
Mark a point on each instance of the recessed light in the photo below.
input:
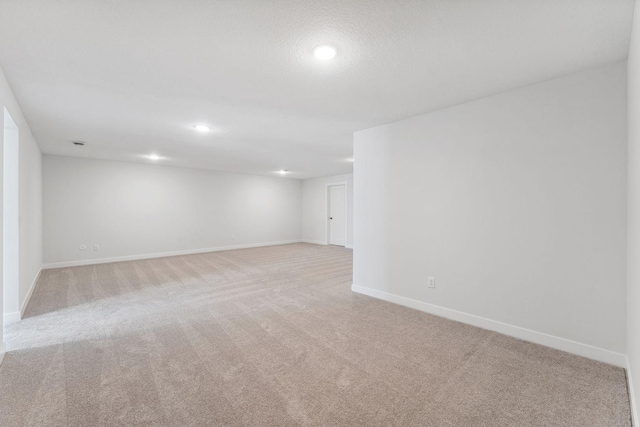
(325, 52)
(283, 172)
(154, 156)
(202, 128)
(78, 143)
(351, 159)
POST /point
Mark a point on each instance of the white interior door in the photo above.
(338, 215)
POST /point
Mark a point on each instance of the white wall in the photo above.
(314, 208)
(30, 215)
(30, 197)
(11, 216)
(633, 213)
(515, 203)
(132, 209)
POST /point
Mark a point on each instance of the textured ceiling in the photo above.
(133, 77)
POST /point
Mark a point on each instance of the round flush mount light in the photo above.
(78, 143)
(154, 157)
(325, 52)
(202, 128)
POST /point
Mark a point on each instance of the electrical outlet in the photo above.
(83, 247)
(96, 247)
(432, 282)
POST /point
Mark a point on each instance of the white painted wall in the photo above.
(11, 217)
(314, 208)
(515, 203)
(30, 197)
(30, 214)
(132, 209)
(633, 214)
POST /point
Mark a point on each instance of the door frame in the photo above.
(327, 211)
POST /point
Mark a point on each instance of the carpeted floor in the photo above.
(274, 337)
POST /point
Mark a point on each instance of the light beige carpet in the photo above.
(274, 337)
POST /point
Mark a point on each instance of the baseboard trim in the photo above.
(16, 316)
(11, 317)
(77, 263)
(580, 349)
(632, 395)
(315, 242)
(322, 242)
(25, 303)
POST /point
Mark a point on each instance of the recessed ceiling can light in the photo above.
(202, 128)
(154, 157)
(351, 159)
(283, 172)
(325, 52)
(79, 143)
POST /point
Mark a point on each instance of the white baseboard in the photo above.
(27, 298)
(11, 317)
(16, 316)
(584, 350)
(1, 352)
(322, 242)
(160, 255)
(632, 395)
(315, 242)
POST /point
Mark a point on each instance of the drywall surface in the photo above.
(314, 208)
(514, 203)
(30, 216)
(132, 209)
(30, 197)
(10, 216)
(633, 213)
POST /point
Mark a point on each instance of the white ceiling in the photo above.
(133, 77)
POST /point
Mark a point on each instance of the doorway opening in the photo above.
(10, 221)
(337, 214)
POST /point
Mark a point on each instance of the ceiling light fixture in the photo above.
(154, 157)
(283, 172)
(325, 52)
(351, 159)
(202, 128)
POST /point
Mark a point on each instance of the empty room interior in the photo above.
(320, 213)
